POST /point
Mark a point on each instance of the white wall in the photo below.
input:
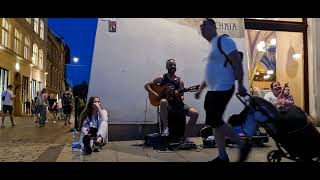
(314, 66)
(125, 60)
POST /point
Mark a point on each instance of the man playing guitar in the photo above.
(171, 80)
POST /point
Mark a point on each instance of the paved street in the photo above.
(29, 143)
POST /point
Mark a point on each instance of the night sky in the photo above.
(79, 34)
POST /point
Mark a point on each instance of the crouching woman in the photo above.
(94, 126)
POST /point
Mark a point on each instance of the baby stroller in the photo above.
(295, 136)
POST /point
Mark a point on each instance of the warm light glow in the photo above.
(266, 76)
(296, 56)
(270, 72)
(17, 66)
(273, 41)
(261, 46)
(257, 73)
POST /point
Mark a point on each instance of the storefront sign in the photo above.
(234, 27)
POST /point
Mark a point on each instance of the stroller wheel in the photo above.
(274, 156)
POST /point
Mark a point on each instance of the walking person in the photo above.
(224, 66)
(42, 102)
(28, 107)
(36, 108)
(7, 97)
(67, 104)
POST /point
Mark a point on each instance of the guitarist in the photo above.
(170, 79)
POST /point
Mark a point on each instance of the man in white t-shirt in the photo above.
(7, 97)
(273, 95)
(224, 66)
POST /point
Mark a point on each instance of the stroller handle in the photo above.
(242, 98)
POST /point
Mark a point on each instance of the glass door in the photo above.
(3, 82)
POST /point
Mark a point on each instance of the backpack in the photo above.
(67, 99)
(39, 101)
(225, 55)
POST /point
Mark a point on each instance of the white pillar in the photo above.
(314, 66)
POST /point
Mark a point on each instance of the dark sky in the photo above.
(79, 34)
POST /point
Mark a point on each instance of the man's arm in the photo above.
(202, 86)
(148, 88)
(236, 61)
(182, 87)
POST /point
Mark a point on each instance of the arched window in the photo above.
(40, 63)
(35, 54)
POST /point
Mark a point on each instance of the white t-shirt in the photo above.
(218, 77)
(8, 95)
(271, 98)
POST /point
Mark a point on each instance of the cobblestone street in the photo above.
(27, 142)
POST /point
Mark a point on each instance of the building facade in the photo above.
(23, 56)
(57, 51)
(29, 56)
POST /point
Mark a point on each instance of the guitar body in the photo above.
(164, 90)
(161, 90)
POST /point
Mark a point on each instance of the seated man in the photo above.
(170, 79)
(273, 95)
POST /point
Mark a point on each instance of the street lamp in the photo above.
(75, 59)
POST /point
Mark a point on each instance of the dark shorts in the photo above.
(6, 108)
(215, 104)
(183, 107)
(67, 109)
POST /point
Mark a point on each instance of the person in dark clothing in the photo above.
(28, 106)
(170, 79)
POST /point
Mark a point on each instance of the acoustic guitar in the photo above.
(164, 90)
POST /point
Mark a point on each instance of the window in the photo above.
(40, 86)
(28, 20)
(3, 82)
(33, 88)
(17, 41)
(36, 25)
(41, 29)
(35, 54)
(276, 56)
(40, 63)
(26, 48)
(5, 32)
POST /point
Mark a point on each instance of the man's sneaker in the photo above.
(2, 126)
(219, 160)
(165, 132)
(13, 125)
